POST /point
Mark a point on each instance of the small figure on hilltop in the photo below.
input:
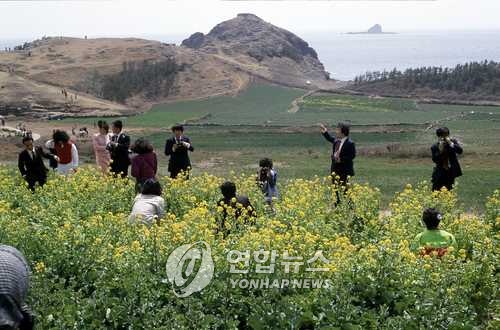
(433, 240)
(119, 150)
(14, 286)
(444, 155)
(267, 178)
(99, 142)
(177, 148)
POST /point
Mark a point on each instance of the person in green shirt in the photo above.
(433, 239)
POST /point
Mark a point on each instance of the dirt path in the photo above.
(294, 106)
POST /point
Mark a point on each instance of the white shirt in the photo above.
(66, 169)
(146, 207)
(337, 154)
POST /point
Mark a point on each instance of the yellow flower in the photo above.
(40, 267)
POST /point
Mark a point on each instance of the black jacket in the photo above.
(33, 168)
(347, 154)
(120, 152)
(438, 157)
(179, 159)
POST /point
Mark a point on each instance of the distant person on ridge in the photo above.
(177, 148)
(31, 164)
(433, 239)
(119, 150)
(444, 155)
(343, 153)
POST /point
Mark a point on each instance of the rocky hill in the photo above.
(88, 76)
(262, 49)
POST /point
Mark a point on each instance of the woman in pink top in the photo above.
(100, 141)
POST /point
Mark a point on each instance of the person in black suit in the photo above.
(119, 150)
(444, 155)
(177, 148)
(343, 153)
(31, 163)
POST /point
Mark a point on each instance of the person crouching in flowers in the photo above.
(148, 204)
(230, 202)
(66, 152)
(433, 240)
(267, 180)
(144, 163)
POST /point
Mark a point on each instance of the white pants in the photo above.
(64, 169)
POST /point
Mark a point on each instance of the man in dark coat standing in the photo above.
(31, 165)
(119, 150)
(444, 155)
(177, 148)
(343, 153)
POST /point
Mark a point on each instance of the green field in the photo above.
(391, 135)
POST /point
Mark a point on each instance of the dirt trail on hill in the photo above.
(294, 106)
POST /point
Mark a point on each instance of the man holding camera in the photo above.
(444, 155)
(177, 148)
(119, 150)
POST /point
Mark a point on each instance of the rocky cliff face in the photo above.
(281, 52)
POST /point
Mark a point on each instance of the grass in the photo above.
(304, 153)
(256, 123)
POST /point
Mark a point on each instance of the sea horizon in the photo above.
(347, 55)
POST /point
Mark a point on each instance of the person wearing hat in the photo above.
(433, 239)
(14, 284)
(177, 148)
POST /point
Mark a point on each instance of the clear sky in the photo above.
(33, 19)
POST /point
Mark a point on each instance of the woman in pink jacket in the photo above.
(100, 140)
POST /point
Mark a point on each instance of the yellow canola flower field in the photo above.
(91, 269)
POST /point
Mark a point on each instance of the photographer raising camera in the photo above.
(444, 155)
(177, 148)
(266, 179)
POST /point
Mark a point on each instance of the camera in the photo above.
(263, 174)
